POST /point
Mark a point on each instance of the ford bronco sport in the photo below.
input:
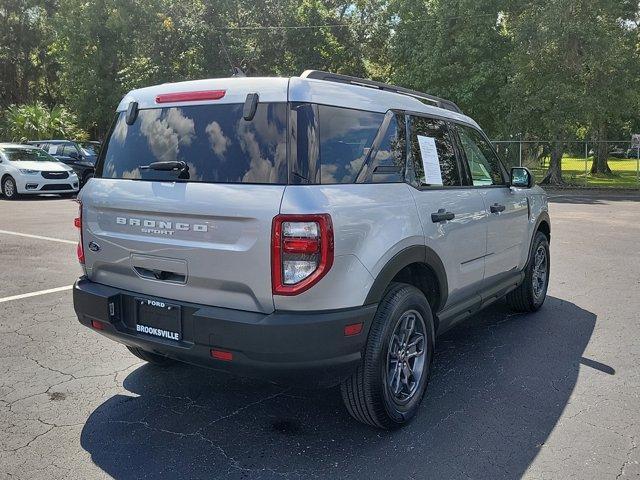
(319, 228)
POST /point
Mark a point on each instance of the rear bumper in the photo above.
(287, 347)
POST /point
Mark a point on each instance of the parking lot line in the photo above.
(35, 294)
(39, 237)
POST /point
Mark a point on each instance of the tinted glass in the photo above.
(27, 155)
(388, 163)
(304, 135)
(345, 139)
(216, 143)
(483, 163)
(90, 148)
(68, 150)
(429, 131)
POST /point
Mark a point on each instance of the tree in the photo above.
(573, 66)
(611, 75)
(36, 121)
(455, 49)
(544, 90)
(22, 42)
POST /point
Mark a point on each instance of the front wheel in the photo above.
(9, 189)
(531, 294)
(388, 386)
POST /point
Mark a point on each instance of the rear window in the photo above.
(216, 143)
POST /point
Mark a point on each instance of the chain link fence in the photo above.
(577, 161)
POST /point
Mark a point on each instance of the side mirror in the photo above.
(521, 177)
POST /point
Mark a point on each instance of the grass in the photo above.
(624, 173)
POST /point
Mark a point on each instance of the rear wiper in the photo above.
(180, 166)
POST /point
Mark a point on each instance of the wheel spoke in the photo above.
(407, 374)
(411, 323)
(398, 388)
(395, 345)
(395, 373)
(416, 341)
(414, 354)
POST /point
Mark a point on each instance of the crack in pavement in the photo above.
(624, 465)
(233, 463)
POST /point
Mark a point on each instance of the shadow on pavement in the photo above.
(500, 383)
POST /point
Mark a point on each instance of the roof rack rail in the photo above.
(338, 78)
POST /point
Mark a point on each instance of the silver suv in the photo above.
(319, 229)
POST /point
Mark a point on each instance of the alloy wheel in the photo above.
(9, 188)
(539, 276)
(406, 357)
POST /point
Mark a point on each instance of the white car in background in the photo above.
(29, 170)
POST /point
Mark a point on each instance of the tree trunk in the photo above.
(601, 154)
(554, 174)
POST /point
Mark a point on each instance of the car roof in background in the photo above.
(18, 145)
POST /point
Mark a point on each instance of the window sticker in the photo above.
(430, 160)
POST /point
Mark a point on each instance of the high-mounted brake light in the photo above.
(190, 96)
(77, 222)
(301, 252)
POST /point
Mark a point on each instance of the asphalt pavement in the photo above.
(555, 394)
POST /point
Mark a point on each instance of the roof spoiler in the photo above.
(338, 78)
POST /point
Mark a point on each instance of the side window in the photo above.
(345, 139)
(483, 163)
(67, 150)
(388, 163)
(433, 155)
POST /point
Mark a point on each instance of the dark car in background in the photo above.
(81, 156)
(91, 147)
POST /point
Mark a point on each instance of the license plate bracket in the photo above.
(159, 319)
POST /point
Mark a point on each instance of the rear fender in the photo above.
(407, 256)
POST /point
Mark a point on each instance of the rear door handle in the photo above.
(442, 216)
(497, 208)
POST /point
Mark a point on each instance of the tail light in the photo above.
(78, 224)
(301, 252)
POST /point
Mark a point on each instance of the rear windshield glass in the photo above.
(215, 142)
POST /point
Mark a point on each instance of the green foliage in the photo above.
(35, 121)
(530, 69)
(456, 49)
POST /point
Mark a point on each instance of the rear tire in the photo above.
(531, 294)
(9, 189)
(153, 358)
(388, 386)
